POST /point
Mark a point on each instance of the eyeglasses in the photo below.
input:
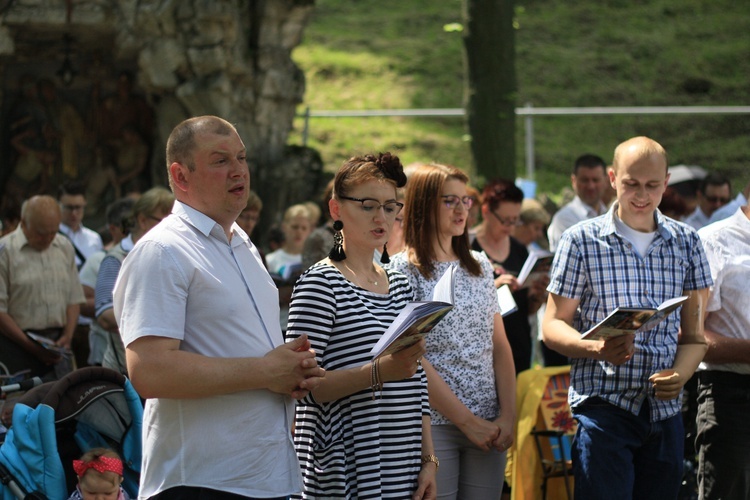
(390, 208)
(717, 199)
(516, 221)
(73, 208)
(248, 217)
(451, 201)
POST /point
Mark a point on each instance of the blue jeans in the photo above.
(618, 455)
(723, 436)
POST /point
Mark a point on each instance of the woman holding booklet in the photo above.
(364, 432)
(501, 209)
(469, 363)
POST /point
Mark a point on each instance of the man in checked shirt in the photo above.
(625, 391)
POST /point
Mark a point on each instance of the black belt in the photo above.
(724, 378)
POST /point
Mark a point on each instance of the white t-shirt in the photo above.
(727, 246)
(640, 241)
(184, 280)
(283, 263)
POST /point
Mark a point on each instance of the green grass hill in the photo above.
(399, 54)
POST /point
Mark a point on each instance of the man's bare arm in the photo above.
(690, 349)
(159, 369)
(107, 320)
(87, 308)
(563, 338)
(10, 329)
(723, 349)
(71, 320)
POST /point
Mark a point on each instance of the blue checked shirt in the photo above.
(598, 266)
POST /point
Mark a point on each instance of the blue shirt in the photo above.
(598, 266)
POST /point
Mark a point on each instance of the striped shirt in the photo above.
(595, 264)
(107, 277)
(356, 446)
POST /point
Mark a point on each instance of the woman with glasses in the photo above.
(364, 432)
(468, 363)
(501, 213)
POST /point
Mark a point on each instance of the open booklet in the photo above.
(624, 320)
(537, 264)
(507, 302)
(418, 318)
(49, 344)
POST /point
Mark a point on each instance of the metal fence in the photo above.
(528, 112)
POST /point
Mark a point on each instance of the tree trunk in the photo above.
(490, 88)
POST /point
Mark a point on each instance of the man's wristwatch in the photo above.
(431, 458)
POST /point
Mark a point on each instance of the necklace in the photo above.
(370, 281)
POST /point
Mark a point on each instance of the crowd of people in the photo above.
(255, 366)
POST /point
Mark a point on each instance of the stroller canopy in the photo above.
(57, 422)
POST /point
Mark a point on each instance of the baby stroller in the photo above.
(57, 422)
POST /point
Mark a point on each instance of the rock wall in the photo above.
(231, 58)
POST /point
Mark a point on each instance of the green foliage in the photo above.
(408, 54)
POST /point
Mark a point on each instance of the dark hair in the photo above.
(714, 179)
(673, 203)
(499, 190)
(71, 188)
(588, 161)
(421, 215)
(360, 169)
(276, 235)
(119, 213)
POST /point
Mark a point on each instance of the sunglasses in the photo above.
(717, 199)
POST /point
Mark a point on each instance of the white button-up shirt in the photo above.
(185, 280)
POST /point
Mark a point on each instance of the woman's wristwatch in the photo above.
(431, 458)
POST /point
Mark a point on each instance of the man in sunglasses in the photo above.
(730, 208)
(714, 192)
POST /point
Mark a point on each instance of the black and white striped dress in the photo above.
(357, 446)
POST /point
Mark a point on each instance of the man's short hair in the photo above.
(714, 179)
(643, 146)
(181, 141)
(71, 188)
(119, 211)
(589, 161)
(38, 204)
